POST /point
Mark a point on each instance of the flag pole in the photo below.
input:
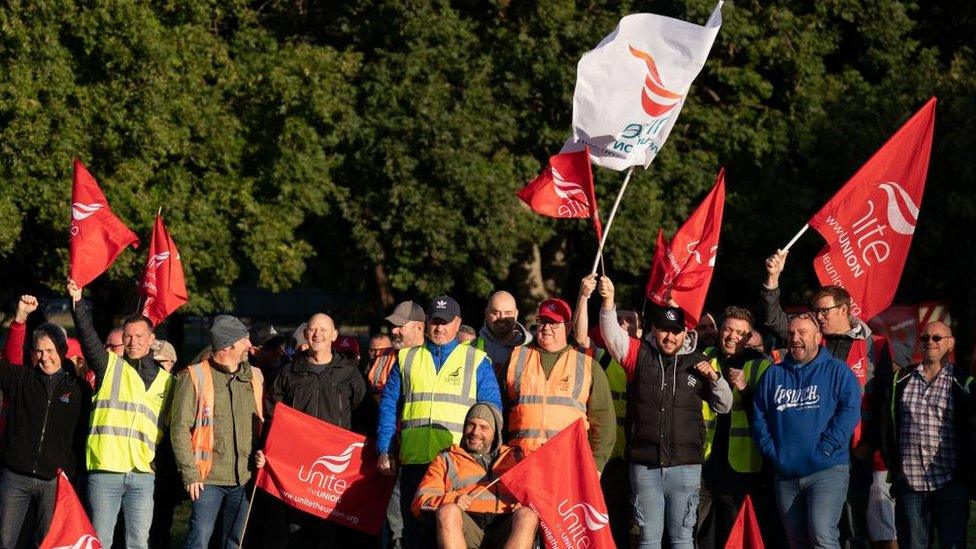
(247, 516)
(796, 237)
(485, 488)
(613, 213)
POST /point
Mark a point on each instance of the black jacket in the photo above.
(964, 421)
(664, 422)
(96, 356)
(47, 421)
(330, 395)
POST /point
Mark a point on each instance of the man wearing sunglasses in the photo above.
(667, 385)
(848, 338)
(928, 440)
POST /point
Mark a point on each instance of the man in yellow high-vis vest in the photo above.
(732, 468)
(131, 402)
(428, 394)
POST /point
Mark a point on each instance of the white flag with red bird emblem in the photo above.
(631, 87)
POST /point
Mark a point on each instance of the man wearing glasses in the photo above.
(928, 440)
(549, 384)
(667, 385)
(113, 343)
(848, 338)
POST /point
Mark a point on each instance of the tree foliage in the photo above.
(375, 147)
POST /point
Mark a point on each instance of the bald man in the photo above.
(328, 386)
(502, 331)
(928, 439)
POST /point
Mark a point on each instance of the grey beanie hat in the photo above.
(226, 331)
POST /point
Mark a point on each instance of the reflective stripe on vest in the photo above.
(435, 402)
(617, 379)
(541, 407)
(202, 433)
(380, 371)
(127, 419)
(743, 455)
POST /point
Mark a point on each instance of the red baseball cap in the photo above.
(74, 348)
(346, 344)
(555, 310)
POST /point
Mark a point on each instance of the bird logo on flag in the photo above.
(655, 98)
(896, 202)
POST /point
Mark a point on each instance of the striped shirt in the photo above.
(927, 435)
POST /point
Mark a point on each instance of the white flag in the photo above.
(631, 87)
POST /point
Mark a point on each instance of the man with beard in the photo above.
(429, 391)
(471, 509)
(804, 413)
(267, 351)
(849, 339)
(407, 321)
(501, 332)
(668, 384)
(732, 468)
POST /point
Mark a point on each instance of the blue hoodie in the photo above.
(805, 414)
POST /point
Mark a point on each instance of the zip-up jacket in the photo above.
(391, 403)
(331, 394)
(48, 419)
(964, 421)
(665, 394)
(236, 427)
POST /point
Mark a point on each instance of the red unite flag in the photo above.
(564, 189)
(869, 223)
(559, 482)
(745, 532)
(97, 235)
(70, 527)
(163, 283)
(324, 470)
(682, 269)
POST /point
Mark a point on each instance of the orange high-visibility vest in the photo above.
(379, 372)
(202, 435)
(542, 407)
(454, 473)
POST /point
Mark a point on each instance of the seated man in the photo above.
(472, 510)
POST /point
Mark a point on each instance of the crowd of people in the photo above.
(831, 441)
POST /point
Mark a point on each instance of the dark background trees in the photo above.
(374, 148)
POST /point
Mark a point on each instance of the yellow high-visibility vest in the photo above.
(743, 455)
(127, 419)
(435, 402)
(617, 379)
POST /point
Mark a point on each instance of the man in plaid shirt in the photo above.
(927, 441)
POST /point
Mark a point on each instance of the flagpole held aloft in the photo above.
(613, 213)
(795, 238)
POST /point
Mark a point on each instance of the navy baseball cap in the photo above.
(443, 308)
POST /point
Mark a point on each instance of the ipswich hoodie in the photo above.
(805, 414)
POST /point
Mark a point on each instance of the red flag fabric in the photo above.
(560, 483)
(745, 532)
(682, 269)
(163, 283)
(97, 235)
(324, 470)
(564, 189)
(868, 224)
(70, 527)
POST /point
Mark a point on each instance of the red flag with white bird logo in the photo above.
(324, 470)
(560, 483)
(564, 189)
(97, 235)
(682, 269)
(163, 283)
(70, 527)
(869, 223)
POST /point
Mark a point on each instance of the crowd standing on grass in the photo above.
(832, 442)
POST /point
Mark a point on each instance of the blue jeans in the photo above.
(917, 514)
(229, 503)
(665, 495)
(17, 494)
(133, 492)
(811, 506)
